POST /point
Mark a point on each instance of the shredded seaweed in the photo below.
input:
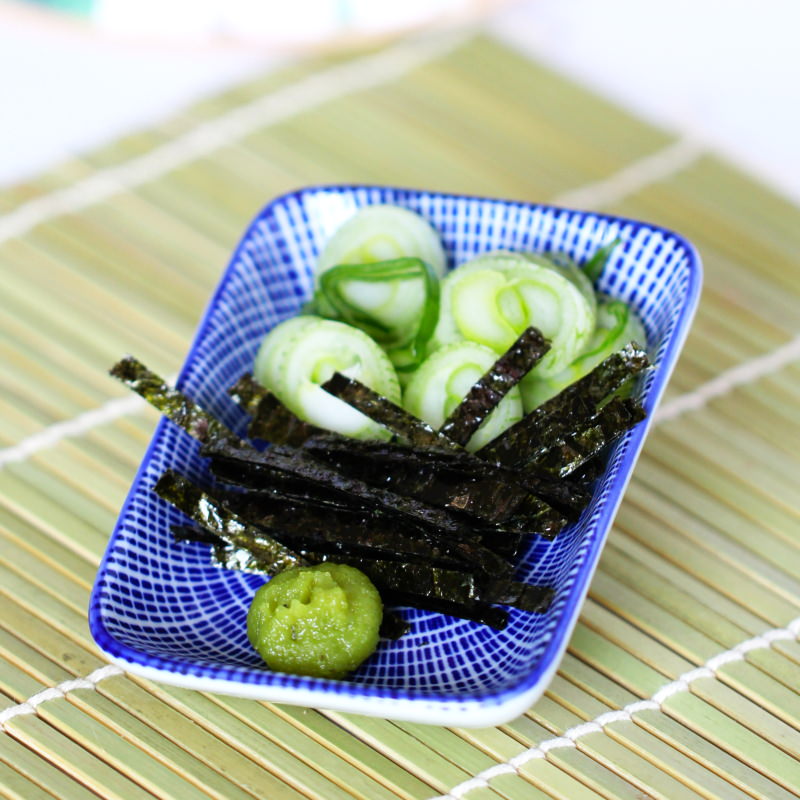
(498, 381)
(171, 402)
(228, 556)
(448, 585)
(194, 533)
(464, 483)
(572, 451)
(484, 498)
(385, 412)
(482, 613)
(306, 527)
(263, 553)
(562, 414)
(247, 547)
(290, 488)
(432, 525)
(405, 583)
(301, 464)
(393, 626)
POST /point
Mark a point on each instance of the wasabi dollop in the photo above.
(320, 621)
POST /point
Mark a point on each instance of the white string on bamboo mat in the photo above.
(54, 693)
(636, 176)
(654, 703)
(727, 381)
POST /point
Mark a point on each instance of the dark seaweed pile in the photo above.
(433, 526)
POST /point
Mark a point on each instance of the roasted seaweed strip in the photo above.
(271, 420)
(534, 516)
(172, 403)
(194, 533)
(291, 489)
(388, 577)
(566, 496)
(396, 449)
(449, 585)
(560, 415)
(393, 626)
(247, 393)
(305, 527)
(385, 412)
(484, 498)
(302, 465)
(571, 452)
(482, 613)
(458, 481)
(264, 553)
(498, 381)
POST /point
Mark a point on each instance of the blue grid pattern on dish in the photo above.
(162, 604)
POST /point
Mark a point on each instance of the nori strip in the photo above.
(393, 626)
(258, 471)
(486, 498)
(247, 393)
(171, 402)
(587, 474)
(262, 478)
(562, 414)
(505, 543)
(449, 585)
(356, 532)
(568, 497)
(398, 450)
(302, 465)
(264, 552)
(385, 412)
(509, 545)
(566, 455)
(246, 547)
(269, 556)
(194, 533)
(498, 381)
(271, 420)
(482, 613)
(467, 485)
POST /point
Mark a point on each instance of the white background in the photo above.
(725, 70)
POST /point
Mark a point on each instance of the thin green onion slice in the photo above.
(299, 355)
(334, 300)
(495, 297)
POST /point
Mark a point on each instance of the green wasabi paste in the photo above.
(321, 621)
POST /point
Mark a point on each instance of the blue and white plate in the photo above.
(161, 610)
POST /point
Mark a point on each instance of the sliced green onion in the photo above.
(385, 233)
(594, 267)
(495, 297)
(299, 355)
(333, 301)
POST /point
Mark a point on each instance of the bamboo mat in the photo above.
(118, 252)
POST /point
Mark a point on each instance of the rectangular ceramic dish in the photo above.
(161, 610)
